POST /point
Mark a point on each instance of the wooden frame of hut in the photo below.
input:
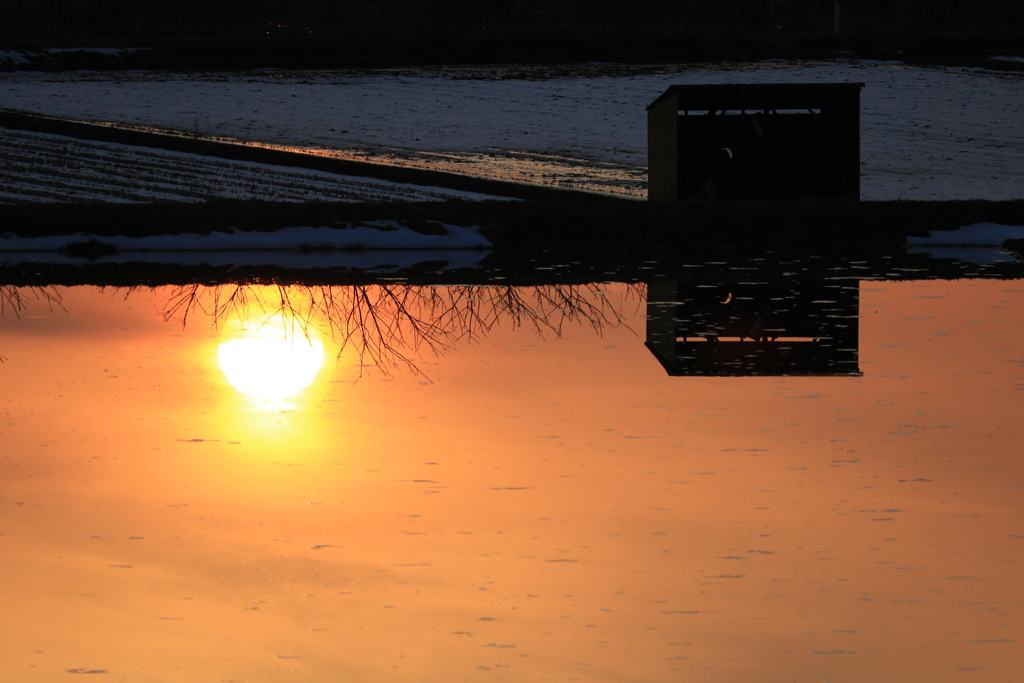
(755, 142)
(754, 329)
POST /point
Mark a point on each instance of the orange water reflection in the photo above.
(560, 510)
(270, 358)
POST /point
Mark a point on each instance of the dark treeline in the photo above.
(298, 17)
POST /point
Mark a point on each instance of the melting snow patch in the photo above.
(980, 243)
(984, 256)
(48, 54)
(108, 51)
(375, 245)
(977, 235)
(880, 62)
(369, 235)
(14, 57)
(377, 261)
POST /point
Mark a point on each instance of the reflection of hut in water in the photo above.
(755, 142)
(754, 329)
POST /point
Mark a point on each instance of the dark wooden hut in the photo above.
(755, 142)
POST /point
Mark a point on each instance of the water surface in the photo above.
(532, 505)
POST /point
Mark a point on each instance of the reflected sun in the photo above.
(271, 360)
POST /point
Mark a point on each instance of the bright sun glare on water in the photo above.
(270, 361)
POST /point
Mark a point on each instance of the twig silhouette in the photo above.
(391, 325)
(14, 298)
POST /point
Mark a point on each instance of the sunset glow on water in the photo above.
(268, 358)
(524, 508)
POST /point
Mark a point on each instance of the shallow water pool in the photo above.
(540, 502)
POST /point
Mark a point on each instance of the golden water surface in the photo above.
(524, 509)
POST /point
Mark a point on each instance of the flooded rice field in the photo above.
(716, 476)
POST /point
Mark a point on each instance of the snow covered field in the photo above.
(926, 133)
(53, 168)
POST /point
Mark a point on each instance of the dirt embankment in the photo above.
(571, 228)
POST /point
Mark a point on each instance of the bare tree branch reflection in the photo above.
(14, 298)
(390, 325)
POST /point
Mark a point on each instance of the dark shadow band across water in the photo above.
(720, 313)
(539, 267)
